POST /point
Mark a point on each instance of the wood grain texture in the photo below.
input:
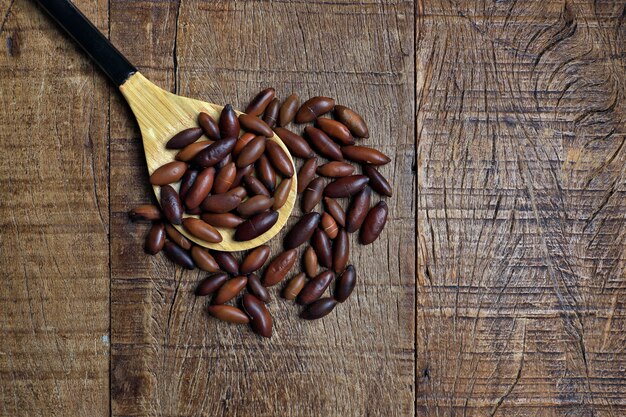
(168, 357)
(54, 219)
(521, 163)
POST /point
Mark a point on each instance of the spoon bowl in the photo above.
(160, 115)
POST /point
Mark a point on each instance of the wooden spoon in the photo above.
(160, 114)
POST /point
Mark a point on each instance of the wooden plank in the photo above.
(168, 357)
(54, 219)
(521, 276)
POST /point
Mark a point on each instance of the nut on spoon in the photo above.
(160, 114)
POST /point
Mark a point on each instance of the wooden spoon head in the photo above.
(161, 115)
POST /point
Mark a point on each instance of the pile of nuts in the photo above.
(241, 181)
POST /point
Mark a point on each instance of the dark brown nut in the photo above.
(203, 259)
(155, 239)
(242, 142)
(251, 152)
(220, 203)
(260, 102)
(353, 121)
(211, 284)
(230, 289)
(225, 161)
(295, 143)
(254, 205)
(357, 210)
(186, 182)
(345, 284)
(322, 246)
(184, 138)
(346, 186)
(335, 210)
(374, 223)
(306, 174)
(336, 130)
(225, 178)
(271, 112)
(255, 226)
(288, 110)
(279, 267)
(176, 237)
(194, 211)
(255, 125)
(315, 288)
(228, 123)
(365, 155)
(265, 172)
(341, 251)
(318, 309)
(255, 259)
(171, 205)
(301, 231)
(314, 107)
(377, 181)
(282, 193)
(201, 188)
(215, 153)
(178, 255)
(242, 172)
(226, 220)
(261, 321)
(329, 225)
(228, 314)
(335, 169)
(255, 186)
(294, 286)
(256, 288)
(145, 212)
(202, 230)
(312, 195)
(323, 144)
(238, 191)
(168, 173)
(209, 126)
(279, 159)
(310, 262)
(190, 151)
(226, 261)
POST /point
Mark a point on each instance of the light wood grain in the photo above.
(54, 219)
(160, 115)
(168, 357)
(521, 174)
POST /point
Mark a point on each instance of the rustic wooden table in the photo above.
(497, 288)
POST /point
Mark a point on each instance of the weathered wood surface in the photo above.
(520, 215)
(54, 219)
(521, 266)
(168, 357)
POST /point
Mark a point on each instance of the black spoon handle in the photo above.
(90, 39)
